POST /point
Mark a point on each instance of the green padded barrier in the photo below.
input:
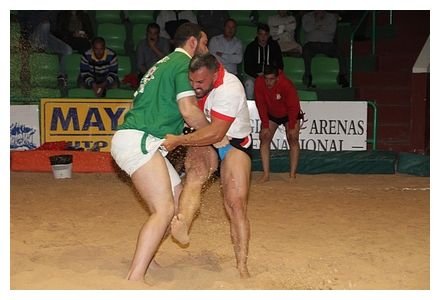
(414, 164)
(120, 94)
(72, 69)
(294, 70)
(81, 93)
(108, 16)
(114, 36)
(41, 92)
(342, 162)
(246, 34)
(141, 17)
(44, 70)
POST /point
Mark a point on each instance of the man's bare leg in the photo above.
(200, 163)
(265, 141)
(293, 139)
(152, 181)
(235, 178)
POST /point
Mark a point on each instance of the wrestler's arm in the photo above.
(191, 113)
(208, 135)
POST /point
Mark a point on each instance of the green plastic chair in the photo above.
(141, 16)
(307, 95)
(73, 69)
(139, 33)
(294, 70)
(325, 72)
(242, 17)
(124, 66)
(15, 36)
(114, 36)
(44, 70)
(15, 64)
(108, 16)
(263, 15)
(81, 93)
(119, 94)
(246, 34)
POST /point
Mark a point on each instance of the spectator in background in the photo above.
(99, 68)
(37, 27)
(282, 27)
(169, 20)
(277, 104)
(319, 34)
(212, 21)
(75, 28)
(151, 49)
(259, 53)
(227, 47)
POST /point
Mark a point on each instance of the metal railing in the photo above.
(373, 39)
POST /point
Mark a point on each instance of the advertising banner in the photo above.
(327, 126)
(83, 123)
(25, 127)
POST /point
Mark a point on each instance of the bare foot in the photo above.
(292, 175)
(179, 229)
(263, 179)
(244, 273)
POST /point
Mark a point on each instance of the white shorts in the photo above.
(131, 150)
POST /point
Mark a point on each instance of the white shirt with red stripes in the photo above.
(228, 102)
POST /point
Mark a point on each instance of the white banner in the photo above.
(25, 127)
(328, 126)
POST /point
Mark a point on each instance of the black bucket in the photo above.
(61, 159)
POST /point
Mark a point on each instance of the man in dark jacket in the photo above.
(260, 52)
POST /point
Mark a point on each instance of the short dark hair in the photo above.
(98, 39)
(154, 26)
(185, 31)
(230, 20)
(203, 60)
(270, 69)
(263, 26)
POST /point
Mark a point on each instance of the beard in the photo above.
(200, 93)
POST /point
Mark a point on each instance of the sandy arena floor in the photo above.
(320, 232)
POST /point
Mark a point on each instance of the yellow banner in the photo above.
(85, 123)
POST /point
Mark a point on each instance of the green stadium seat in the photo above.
(139, 33)
(119, 94)
(114, 36)
(72, 69)
(263, 15)
(246, 34)
(325, 72)
(307, 95)
(15, 36)
(15, 64)
(44, 69)
(108, 16)
(81, 93)
(242, 17)
(294, 70)
(141, 16)
(124, 66)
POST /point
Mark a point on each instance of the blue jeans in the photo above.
(41, 38)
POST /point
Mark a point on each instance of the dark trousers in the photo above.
(310, 49)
